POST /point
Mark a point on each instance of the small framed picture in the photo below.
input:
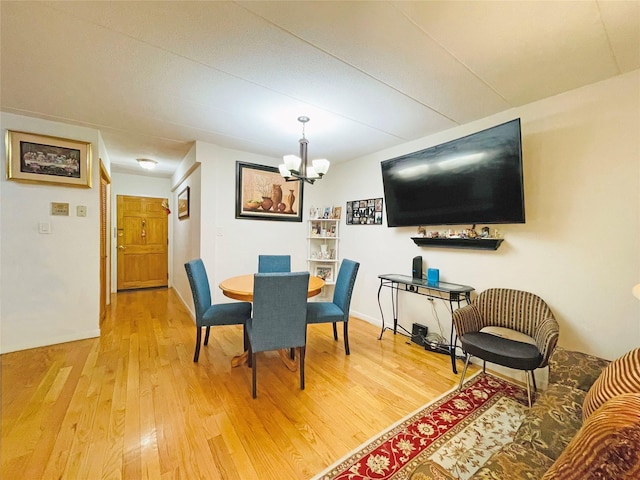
(325, 272)
(365, 212)
(183, 203)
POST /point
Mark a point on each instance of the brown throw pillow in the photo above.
(620, 376)
(607, 445)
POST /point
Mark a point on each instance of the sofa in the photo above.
(585, 425)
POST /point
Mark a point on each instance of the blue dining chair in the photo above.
(274, 263)
(338, 309)
(208, 315)
(279, 319)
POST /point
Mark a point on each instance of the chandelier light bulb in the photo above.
(284, 171)
(292, 162)
(321, 165)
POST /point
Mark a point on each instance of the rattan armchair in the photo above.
(507, 327)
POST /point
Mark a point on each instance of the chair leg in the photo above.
(335, 331)
(464, 370)
(533, 377)
(302, 353)
(252, 356)
(526, 374)
(206, 335)
(292, 353)
(484, 366)
(346, 338)
(198, 339)
(245, 338)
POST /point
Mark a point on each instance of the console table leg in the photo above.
(380, 307)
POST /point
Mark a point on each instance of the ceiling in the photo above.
(154, 77)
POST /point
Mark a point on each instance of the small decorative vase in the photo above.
(290, 199)
(267, 203)
(276, 196)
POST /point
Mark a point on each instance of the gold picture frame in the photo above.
(45, 159)
(183, 203)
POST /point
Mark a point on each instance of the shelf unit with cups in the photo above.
(322, 248)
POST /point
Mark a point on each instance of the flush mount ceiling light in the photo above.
(147, 163)
(296, 168)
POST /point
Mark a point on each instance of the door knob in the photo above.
(121, 247)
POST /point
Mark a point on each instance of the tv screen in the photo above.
(472, 180)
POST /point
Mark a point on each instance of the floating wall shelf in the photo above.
(468, 243)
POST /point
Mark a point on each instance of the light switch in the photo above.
(81, 211)
(44, 227)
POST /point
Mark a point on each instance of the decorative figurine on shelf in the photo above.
(471, 232)
(485, 232)
(422, 232)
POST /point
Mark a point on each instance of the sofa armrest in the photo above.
(546, 337)
(467, 319)
(575, 369)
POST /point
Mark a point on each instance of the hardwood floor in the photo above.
(133, 404)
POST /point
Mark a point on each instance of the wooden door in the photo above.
(142, 243)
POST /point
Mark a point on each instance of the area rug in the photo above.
(455, 435)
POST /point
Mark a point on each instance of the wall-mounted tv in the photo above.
(472, 180)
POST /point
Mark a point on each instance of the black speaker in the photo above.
(417, 268)
(419, 334)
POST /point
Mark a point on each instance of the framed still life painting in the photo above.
(263, 194)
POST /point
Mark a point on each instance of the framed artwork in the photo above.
(44, 159)
(365, 212)
(262, 194)
(183, 203)
(325, 272)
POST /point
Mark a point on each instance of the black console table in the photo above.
(452, 292)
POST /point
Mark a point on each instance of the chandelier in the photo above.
(297, 168)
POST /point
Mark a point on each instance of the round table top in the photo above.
(241, 287)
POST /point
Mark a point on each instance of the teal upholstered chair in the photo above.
(279, 318)
(338, 310)
(208, 315)
(274, 263)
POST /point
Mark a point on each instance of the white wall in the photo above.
(50, 282)
(230, 246)
(186, 244)
(580, 247)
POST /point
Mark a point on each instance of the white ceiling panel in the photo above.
(524, 50)
(379, 39)
(156, 76)
(622, 23)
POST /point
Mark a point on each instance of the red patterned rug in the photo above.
(455, 433)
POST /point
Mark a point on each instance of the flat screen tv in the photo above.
(472, 180)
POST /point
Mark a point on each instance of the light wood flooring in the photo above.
(132, 404)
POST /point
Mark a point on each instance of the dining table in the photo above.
(241, 288)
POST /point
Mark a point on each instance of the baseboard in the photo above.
(50, 341)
